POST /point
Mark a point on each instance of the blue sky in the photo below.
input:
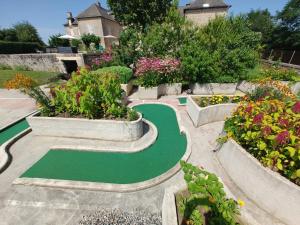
(49, 15)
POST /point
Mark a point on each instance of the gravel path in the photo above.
(119, 217)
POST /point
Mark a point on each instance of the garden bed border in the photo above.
(213, 113)
(268, 189)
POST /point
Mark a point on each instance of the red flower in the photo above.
(267, 131)
(283, 138)
(296, 107)
(284, 122)
(78, 96)
(258, 118)
(249, 109)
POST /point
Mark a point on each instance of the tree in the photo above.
(287, 33)
(27, 33)
(8, 35)
(263, 22)
(55, 41)
(139, 13)
(87, 39)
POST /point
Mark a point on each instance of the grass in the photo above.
(40, 77)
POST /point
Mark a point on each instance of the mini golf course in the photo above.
(11, 131)
(119, 168)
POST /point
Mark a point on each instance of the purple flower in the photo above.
(296, 107)
(258, 118)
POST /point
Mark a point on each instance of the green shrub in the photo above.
(221, 52)
(207, 202)
(124, 74)
(7, 47)
(88, 39)
(55, 41)
(91, 96)
(76, 43)
(5, 67)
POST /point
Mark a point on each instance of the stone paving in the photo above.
(13, 106)
(39, 205)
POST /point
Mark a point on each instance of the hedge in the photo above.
(7, 47)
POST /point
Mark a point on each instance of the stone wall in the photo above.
(202, 17)
(36, 62)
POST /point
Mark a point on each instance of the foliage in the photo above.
(9, 34)
(27, 33)
(164, 39)
(221, 52)
(154, 71)
(76, 43)
(216, 99)
(139, 13)
(91, 96)
(129, 49)
(22, 68)
(278, 73)
(287, 33)
(28, 86)
(5, 67)
(18, 47)
(206, 191)
(267, 125)
(263, 22)
(88, 39)
(106, 59)
(123, 73)
(55, 41)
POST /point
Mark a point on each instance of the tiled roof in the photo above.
(95, 10)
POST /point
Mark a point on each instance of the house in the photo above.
(200, 12)
(95, 20)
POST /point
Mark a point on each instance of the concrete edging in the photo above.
(115, 187)
(214, 113)
(268, 189)
(152, 93)
(213, 88)
(87, 129)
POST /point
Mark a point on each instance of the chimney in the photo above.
(70, 18)
(98, 3)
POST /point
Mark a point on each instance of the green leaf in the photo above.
(261, 145)
(291, 150)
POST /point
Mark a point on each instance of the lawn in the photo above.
(40, 77)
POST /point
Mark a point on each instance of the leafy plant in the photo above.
(55, 41)
(269, 129)
(216, 99)
(123, 73)
(207, 200)
(88, 39)
(5, 67)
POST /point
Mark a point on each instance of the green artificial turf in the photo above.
(40, 77)
(12, 131)
(119, 168)
(182, 100)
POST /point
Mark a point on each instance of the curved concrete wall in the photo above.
(272, 192)
(214, 113)
(163, 89)
(111, 130)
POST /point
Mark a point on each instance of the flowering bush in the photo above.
(216, 99)
(91, 96)
(106, 59)
(154, 71)
(28, 86)
(270, 131)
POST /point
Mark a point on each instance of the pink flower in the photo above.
(258, 118)
(283, 138)
(78, 96)
(296, 107)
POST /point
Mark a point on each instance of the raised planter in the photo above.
(111, 130)
(295, 87)
(269, 190)
(148, 93)
(214, 113)
(170, 89)
(213, 89)
(127, 88)
(246, 86)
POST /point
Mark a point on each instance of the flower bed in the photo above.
(212, 113)
(214, 88)
(204, 101)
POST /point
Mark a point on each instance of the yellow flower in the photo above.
(241, 202)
